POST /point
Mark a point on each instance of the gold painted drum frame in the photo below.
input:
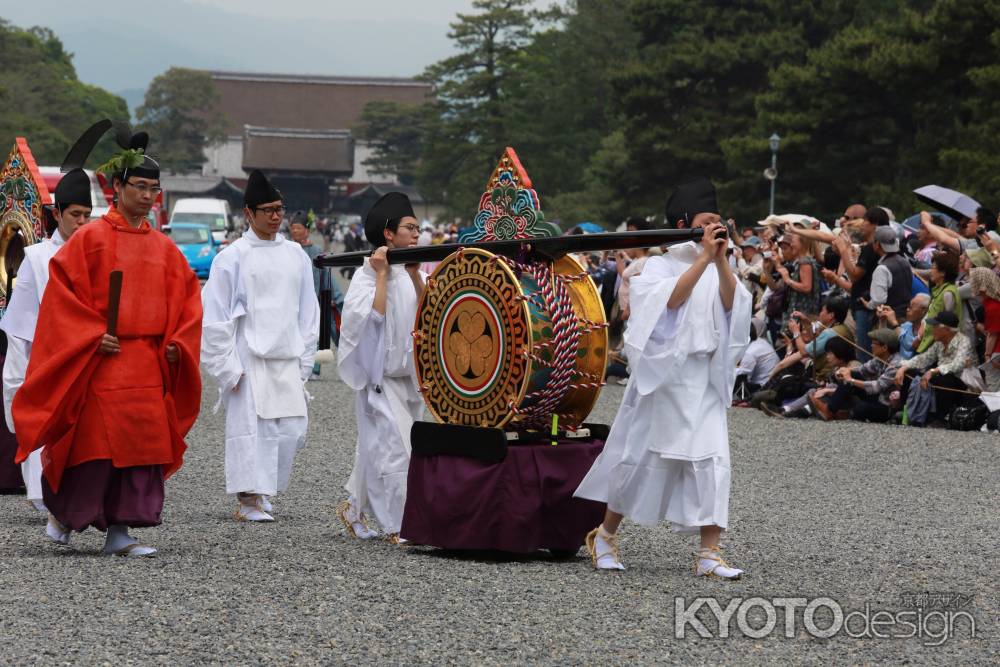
(483, 343)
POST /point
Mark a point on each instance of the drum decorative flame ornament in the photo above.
(503, 342)
(22, 197)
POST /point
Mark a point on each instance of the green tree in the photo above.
(180, 113)
(41, 98)
(967, 35)
(448, 146)
(695, 82)
(882, 108)
(396, 134)
(561, 110)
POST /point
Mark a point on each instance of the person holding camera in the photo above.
(860, 271)
(800, 274)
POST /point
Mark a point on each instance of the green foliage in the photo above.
(41, 98)
(129, 158)
(395, 132)
(179, 112)
(611, 104)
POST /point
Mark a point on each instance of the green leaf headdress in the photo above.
(129, 158)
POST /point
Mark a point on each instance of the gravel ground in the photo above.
(857, 513)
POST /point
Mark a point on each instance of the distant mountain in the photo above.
(122, 45)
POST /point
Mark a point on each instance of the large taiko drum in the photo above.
(503, 343)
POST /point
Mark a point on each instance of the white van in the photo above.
(214, 213)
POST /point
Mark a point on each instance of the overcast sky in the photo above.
(122, 44)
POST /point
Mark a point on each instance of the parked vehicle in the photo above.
(213, 213)
(197, 243)
(52, 176)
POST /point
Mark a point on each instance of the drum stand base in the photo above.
(484, 489)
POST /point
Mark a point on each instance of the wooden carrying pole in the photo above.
(551, 247)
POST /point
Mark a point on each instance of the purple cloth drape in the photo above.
(10, 473)
(520, 505)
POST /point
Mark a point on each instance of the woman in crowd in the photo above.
(985, 285)
(802, 281)
(944, 292)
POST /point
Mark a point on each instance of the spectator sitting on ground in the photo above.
(839, 353)
(867, 391)
(911, 330)
(941, 365)
(805, 344)
(758, 361)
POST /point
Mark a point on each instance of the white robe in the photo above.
(375, 358)
(261, 324)
(667, 456)
(18, 323)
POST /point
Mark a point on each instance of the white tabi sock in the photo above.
(120, 542)
(606, 550)
(251, 509)
(56, 532)
(350, 514)
(710, 563)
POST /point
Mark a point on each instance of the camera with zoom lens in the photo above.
(789, 266)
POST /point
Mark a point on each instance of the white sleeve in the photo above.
(14, 368)
(361, 353)
(747, 364)
(223, 306)
(881, 280)
(308, 318)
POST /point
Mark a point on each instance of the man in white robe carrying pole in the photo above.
(667, 456)
(72, 205)
(259, 337)
(375, 358)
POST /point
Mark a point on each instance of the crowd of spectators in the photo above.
(867, 319)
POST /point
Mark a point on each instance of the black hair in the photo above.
(838, 307)
(640, 224)
(393, 226)
(947, 263)
(987, 218)
(841, 349)
(877, 216)
(831, 259)
(753, 332)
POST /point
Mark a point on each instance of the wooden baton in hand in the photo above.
(114, 299)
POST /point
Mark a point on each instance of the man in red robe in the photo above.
(110, 412)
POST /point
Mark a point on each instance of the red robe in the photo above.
(131, 407)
